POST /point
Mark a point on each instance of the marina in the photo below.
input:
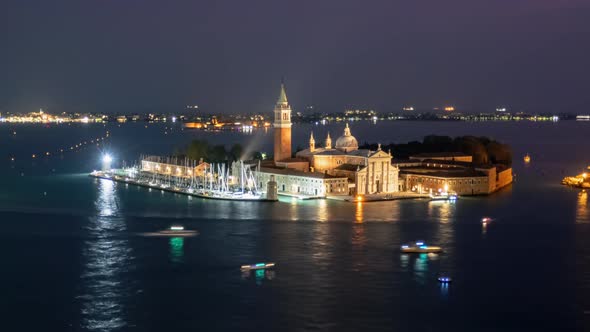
(211, 181)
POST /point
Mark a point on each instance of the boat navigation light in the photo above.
(419, 243)
(405, 247)
(177, 228)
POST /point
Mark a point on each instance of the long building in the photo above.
(446, 175)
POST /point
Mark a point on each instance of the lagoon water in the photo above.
(73, 258)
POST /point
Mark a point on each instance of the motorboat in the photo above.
(257, 266)
(174, 231)
(444, 279)
(419, 248)
(444, 196)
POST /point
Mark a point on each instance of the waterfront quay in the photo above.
(578, 181)
(121, 175)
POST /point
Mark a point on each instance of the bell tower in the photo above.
(282, 126)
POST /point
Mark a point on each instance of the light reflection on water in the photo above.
(176, 249)
(582, 215)
(323, 210)
(359, 212)
(107, 258)
(440, 210)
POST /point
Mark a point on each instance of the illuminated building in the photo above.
(370, 172)
(448, 174)
(172, 167)
(293, 175)
(342, 170)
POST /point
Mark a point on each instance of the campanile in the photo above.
(282, 127)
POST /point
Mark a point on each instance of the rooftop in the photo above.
(349, 167)
(439, 155)
(443, 173)
(293, 172)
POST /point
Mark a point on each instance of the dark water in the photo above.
(73, 257)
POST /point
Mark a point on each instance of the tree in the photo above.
(499, 153)
(236, 152)
(197, 149)
(472, 146)
(217, 154)
(257, 155)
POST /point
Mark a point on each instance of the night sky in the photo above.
(229, 56)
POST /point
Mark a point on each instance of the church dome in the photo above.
(347, 142)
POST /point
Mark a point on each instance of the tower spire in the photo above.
(347, 130)
(282, 95)
(311, 143)
(328, 142)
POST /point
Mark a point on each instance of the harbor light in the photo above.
(107, 160)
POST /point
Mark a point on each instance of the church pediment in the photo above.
(380, 154)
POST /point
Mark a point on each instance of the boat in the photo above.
(444, 279)
(444, 196)
(174, 231)
(419, 248)
(486, 220)
(527, 158)
(257, 266)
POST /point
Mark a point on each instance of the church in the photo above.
(342, 169)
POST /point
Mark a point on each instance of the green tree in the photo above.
(197, 149)
(499, 153)
(236, 152)
(217, 154)
(472, 146)
(257, 155)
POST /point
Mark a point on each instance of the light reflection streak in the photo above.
(421, 268)
(441, 210)
(106, 258)
(358, 236)
(359, 212)
(582, 215)
(323, 210)
(176, 249)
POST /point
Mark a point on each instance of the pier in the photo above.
(173, 189)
